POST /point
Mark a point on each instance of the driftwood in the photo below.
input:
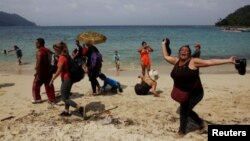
(104, 111)
(98, 114)
(7, 118)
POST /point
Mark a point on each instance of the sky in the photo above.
(122, 12)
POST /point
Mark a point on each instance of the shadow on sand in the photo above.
(192, 126)
(6, 85)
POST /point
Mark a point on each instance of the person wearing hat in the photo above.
(147, 83)
(197, 52)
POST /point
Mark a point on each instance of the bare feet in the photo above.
(157, 95)
(203, 128)
(94, 94)
(179, 134)
(99, 90)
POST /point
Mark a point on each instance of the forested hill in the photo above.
(7, 19)
(240, 17)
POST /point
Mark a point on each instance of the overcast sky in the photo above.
(122, 12)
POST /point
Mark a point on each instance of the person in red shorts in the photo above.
(42, 74)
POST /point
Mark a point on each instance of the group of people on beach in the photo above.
(187, 89)
(87, 57)
(149, 77)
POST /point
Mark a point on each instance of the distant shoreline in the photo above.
(114, 26)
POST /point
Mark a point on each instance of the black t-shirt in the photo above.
(79, 51)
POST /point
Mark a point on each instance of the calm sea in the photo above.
(126, 39)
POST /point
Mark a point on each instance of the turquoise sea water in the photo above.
(126, 39)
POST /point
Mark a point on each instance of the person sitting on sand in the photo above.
(63, 69)
(108, 81)
(147, 83)
(145, 59)
(19, 53)
(188, 89)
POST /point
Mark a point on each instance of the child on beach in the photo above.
(147, 83)
(108, 81)
(116, 58)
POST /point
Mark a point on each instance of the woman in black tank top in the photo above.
(186, 78)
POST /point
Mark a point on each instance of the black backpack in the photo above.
(52, 62)
(76, 72)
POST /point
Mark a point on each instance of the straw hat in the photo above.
(153, 74)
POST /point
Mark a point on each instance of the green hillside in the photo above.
(240, 17)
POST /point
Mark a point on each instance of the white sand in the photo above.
(226, 101)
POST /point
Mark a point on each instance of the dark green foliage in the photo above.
(240, 17)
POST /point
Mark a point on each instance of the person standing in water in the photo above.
(116, 58)
(144, 57)
(19, 53)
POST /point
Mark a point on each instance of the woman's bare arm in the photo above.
(139, 49)
(150, 49)
(197, 62)
(58, 72)
(166, 56)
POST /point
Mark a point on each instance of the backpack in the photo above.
(76, 73)
(96, 61)
(52, 62)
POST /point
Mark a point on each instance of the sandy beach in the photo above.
(123, 116)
